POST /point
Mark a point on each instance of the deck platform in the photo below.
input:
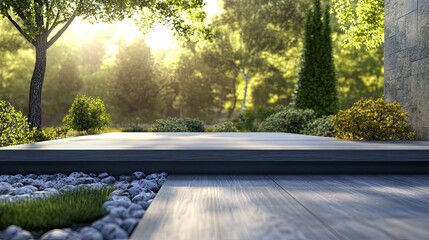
(288, 207)
(215, 153)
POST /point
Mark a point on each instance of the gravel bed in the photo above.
(125, 207)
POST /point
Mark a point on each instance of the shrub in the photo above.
(58, 133)
(55, 133)
(323, 127)
(290, 120)
(135, 129)
(250, 119)
(178, 125)
(87, 114)
(169, 125)
(370, 119)
(225, 127)
(194, 125)
(81, 205)
(14, 127)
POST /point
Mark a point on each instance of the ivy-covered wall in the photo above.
(406, 63)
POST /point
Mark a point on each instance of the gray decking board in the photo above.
(363, 207)
(215, 153)
(227, 207)
(215, 141)
(288, 207)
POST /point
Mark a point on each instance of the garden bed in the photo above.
(117, 205)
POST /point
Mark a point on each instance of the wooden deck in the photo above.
(215, 153)
(289, 207)
(261, 205)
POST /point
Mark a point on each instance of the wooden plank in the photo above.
(362, 207)
(418, 182)
(216, 141)
(227, 207)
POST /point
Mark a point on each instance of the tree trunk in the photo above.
(234, 96)
(246, 86)
(35, 101)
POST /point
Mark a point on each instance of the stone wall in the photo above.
(407, 59)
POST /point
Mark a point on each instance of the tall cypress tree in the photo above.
(317, 81)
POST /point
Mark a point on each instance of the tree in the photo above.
(258, 27)
(10, 45)
(63, 83)
(135, 89)
(317, 81)
(362, 21)
(218, 56)
(42, 22)
(194, 97)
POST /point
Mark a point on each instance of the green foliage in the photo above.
(250, 119)
(87, 114)
(317, 81)
(55, 133)
(135, 129)
(14, 127)
(82, 205)
(360, 72)
(362, 21)
(225, 127)
(290, 120)
(185, 17)
(194, 125)
(370, 119)
(208, 83)
(42, 23)
(63, 83)
(195, 94)
(169, 125)
(134, 86)
(323, 127)
(178, 125)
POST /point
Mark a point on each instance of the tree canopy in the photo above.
(362, 21)
(52, 18)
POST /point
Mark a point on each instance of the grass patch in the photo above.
(75, 206)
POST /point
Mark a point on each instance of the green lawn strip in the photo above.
(75, 206)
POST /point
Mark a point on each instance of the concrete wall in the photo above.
(407, 59)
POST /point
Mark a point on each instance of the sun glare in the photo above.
(159, 38)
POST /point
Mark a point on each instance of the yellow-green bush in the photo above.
(370, 119)
(14, 127)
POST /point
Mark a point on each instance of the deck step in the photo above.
(215, 153)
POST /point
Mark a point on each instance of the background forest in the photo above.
(253, 61)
